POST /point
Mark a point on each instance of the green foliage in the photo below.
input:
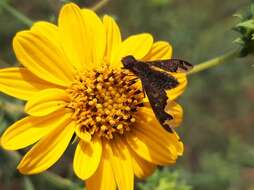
(246, 29)
(223, 170)
(164, 180)
(28, 185)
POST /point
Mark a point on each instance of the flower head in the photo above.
(75, 86)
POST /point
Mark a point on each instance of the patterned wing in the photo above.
(160, 79)
(158, 100)
(172, 65)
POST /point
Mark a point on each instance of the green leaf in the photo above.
(239, 41)
(249, 24)
(240, 16)
(164, 180)
(28, 185)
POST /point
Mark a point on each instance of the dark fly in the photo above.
(156, 79)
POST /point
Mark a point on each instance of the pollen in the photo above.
(104, 102)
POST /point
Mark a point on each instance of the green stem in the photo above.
(99, 5)
(216, 61)
(56, 181)
(27, 21)
(20, 16)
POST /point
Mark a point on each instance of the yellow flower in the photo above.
(75, 86)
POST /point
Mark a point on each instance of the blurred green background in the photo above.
(218, 103)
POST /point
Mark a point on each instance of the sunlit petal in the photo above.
(103, 178)
(114, 39)
(176, 111)
(87, 158)
(21, 83)
(46, 152)
(141, 167)
(133, 45)
(75, 36)
(122, 165)
(176, 92)
(159, 51)
(46, 102)
(42, 58)
(97, 36)
(31, 129)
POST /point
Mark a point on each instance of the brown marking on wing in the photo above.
(158, 101)
(172, 65)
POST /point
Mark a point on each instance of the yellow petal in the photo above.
(42, 58)
(46, 102)
(83, 135)
(48, 150)
(151, 142)
(142, 168)
(21, 83)
(87, 158)
(103, 178)
(160, 50)
(75, 36)
(179, 147)
(97, 35)
(122, 165)
(149, 150)
(30, 129)
(136, 45)
(172, 140)
(51, 33)
(176, 92)
(114, 39)
(176, 111)
(48, 31)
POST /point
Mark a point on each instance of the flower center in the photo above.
(104, 102)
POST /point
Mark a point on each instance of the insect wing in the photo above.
(172, 65)
(161, 79)
(158, 101)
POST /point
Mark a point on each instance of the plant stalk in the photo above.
(215, 61)
(20, 16)
(99, 5)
